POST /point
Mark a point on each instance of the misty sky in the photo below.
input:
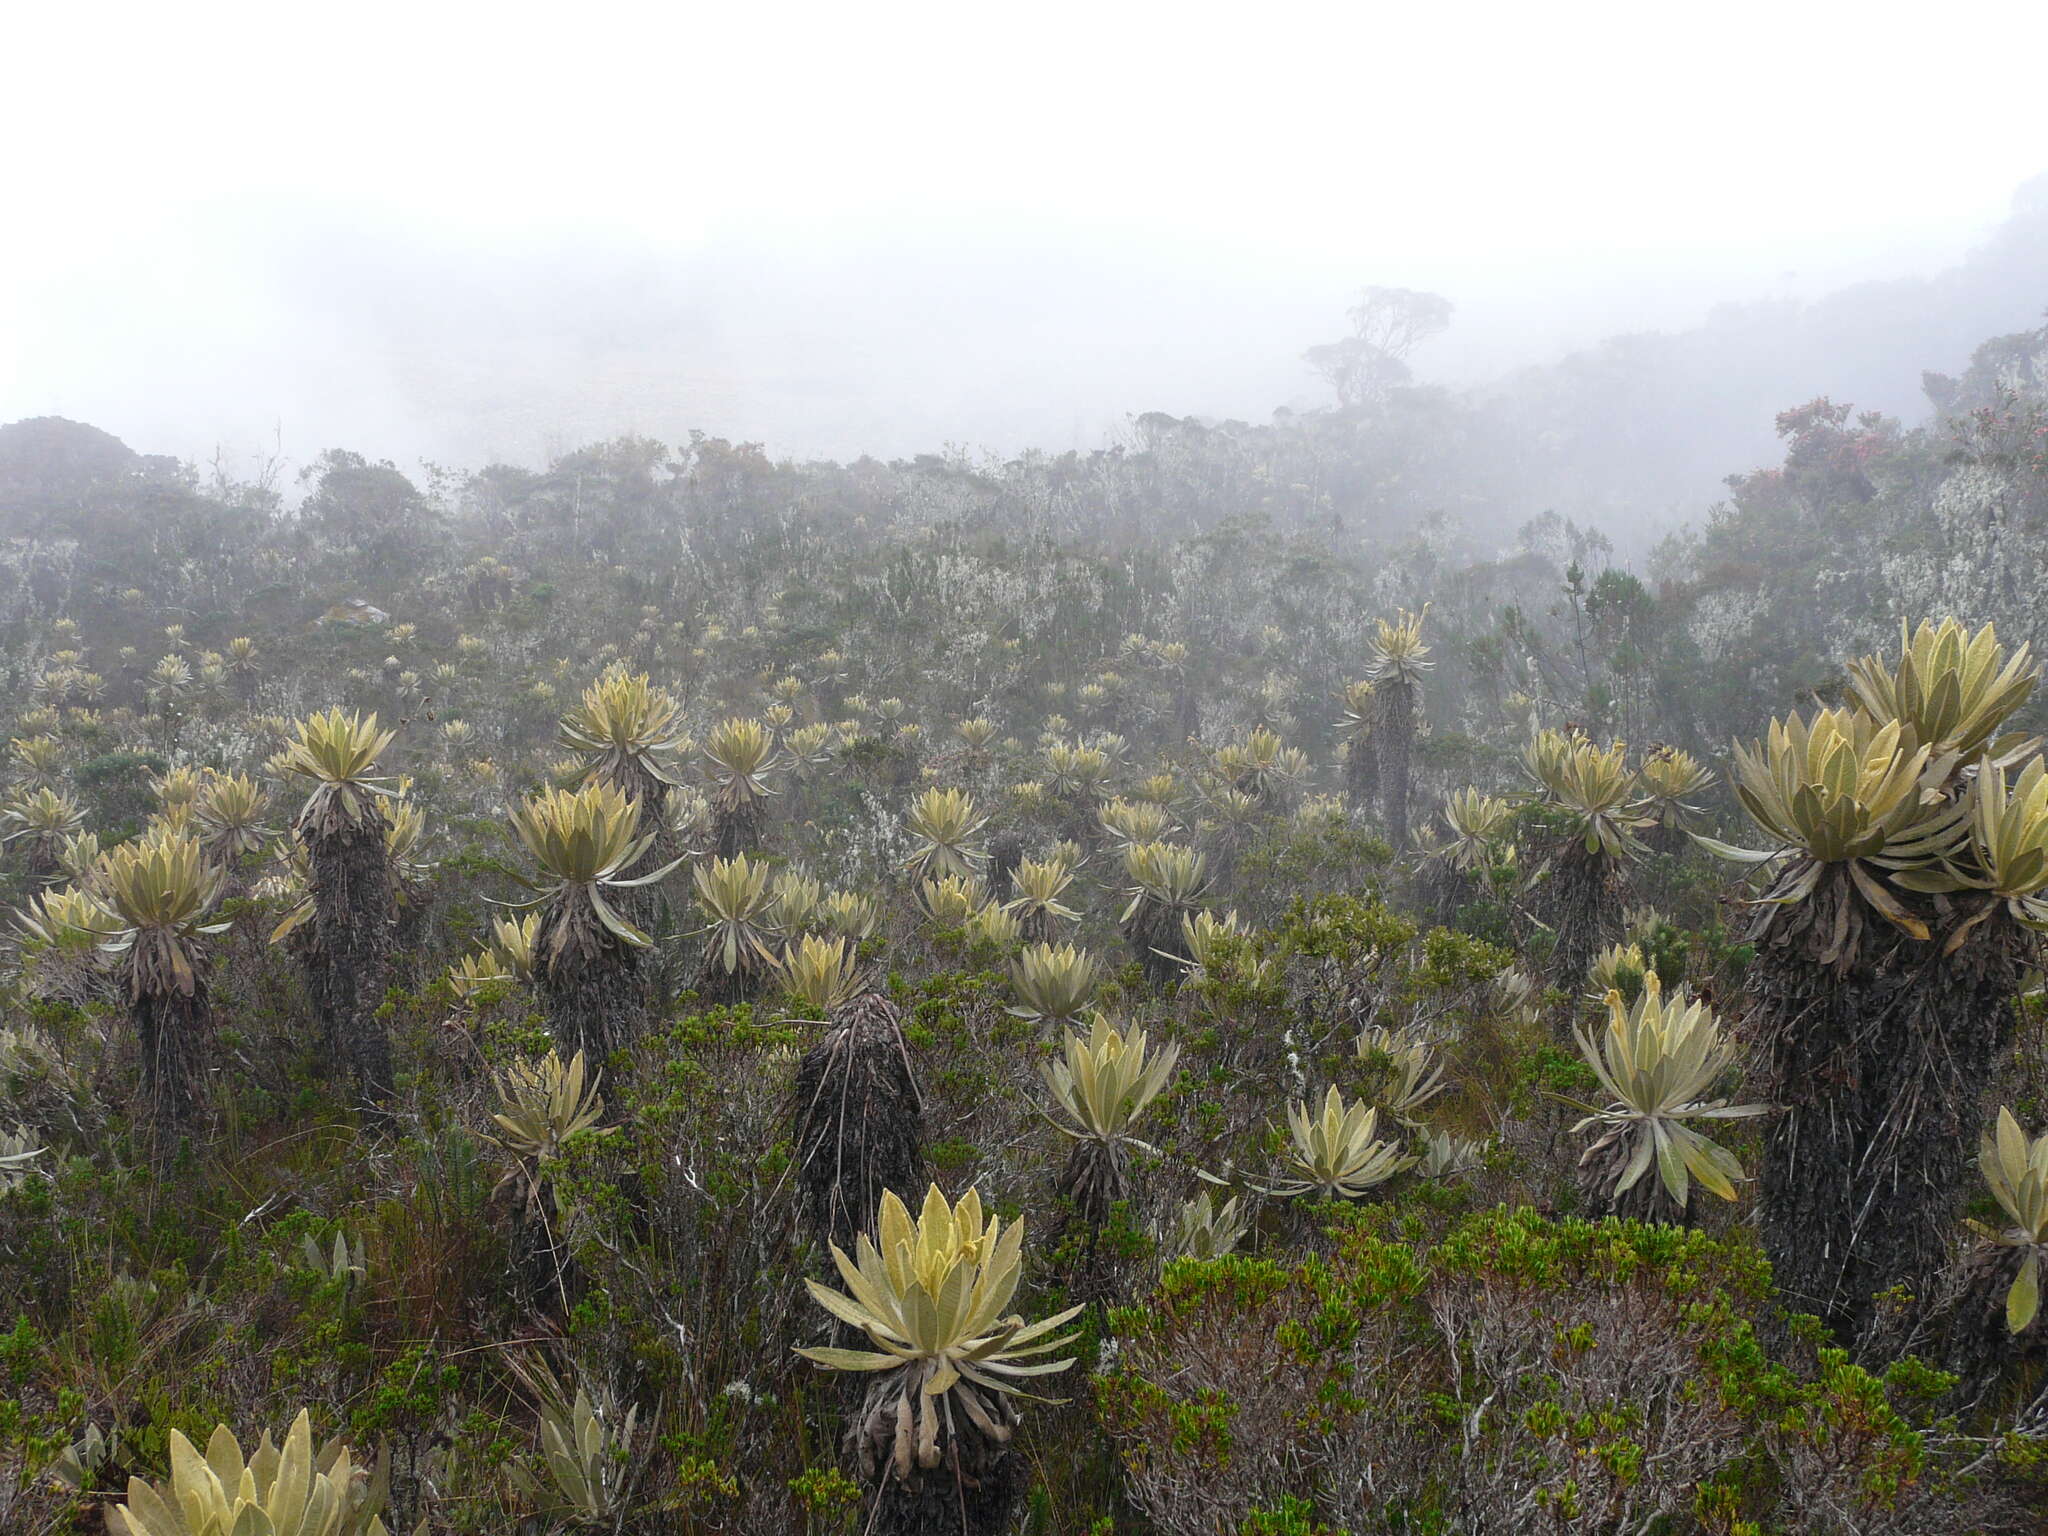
(476, 232)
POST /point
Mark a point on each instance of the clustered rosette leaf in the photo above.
(1659, 1062)
(229, 810)
(1476, 821)
(739, 907)
(339, 753)
(1905, 790)
(1106, 1080)
(273, 1492)
(1670, 778)
(741, 754)
(584, 840)
(623, 726)
(1053, 982)
(542, 1103)
(158, 890)
(820, 973)
(1398, 654)
(2016, 1172)
(1337, 1153)
(1593, 786)
(945, 823)
(930, 1295)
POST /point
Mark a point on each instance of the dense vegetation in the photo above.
(1170, 990)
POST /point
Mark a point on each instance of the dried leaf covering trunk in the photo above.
(541, 1268)
(1446, 890)
(355, 902)
(642, 905)
(593, 995)
(973, 1481)
(410, 922)
(858, 1119)
(1394, 740)
(1666, 840)
(176, 1033)
(1938, 1050)
(1976, 1342)
(40, 865)
(1041, 928)
(1094, 1178)
(1645, 1200)
(1362, 772)
(1583, 905)
(1807, 1022)
(974, 1492)
(1881, 1067)
(1005, 853)
(1187, 713)
(738, 831)
(1155, 939)
(303, 945)
(716, 987)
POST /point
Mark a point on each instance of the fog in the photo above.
(492, 235)
(1357, 688)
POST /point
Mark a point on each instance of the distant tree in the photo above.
(1398, 320)
(1620, 613)
(1387, 324)
(599, 495)
(372, 508)
(47, 462)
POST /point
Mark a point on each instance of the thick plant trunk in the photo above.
(1005, 853)
(1584, 908)
(354, 917)
(593, 1000)
(1362, 772)
(1976, 1344)
(176, 1033)
(1881, 1066)
(1446, 890)
(858, 1122)
(1094, 1179)
(1395, 739)
(1645, 1200)
(1935, 1054)
(1808, 1023)
(738, 831)
(938, 1504)
(233, 887)
(409, 917)
(303, 945)
(41, 866)
(973, 1491)
(717, 987)
(1153, 928)
(543, 1272)
(1096, 1176)
(639, 785)
(1041, 928)
(1667, 840)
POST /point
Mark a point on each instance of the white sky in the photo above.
(223, 215)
